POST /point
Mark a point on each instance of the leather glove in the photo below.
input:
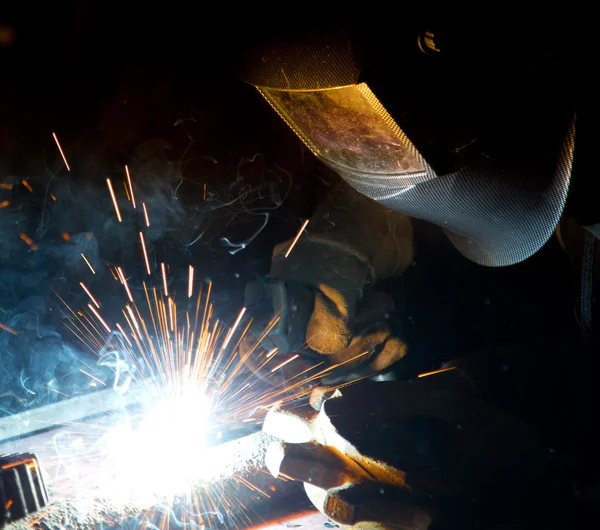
(323, 293)
(411, 454)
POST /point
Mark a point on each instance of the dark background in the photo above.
(158, 89)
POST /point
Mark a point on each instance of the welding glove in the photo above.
(323, 291)
(414, 454)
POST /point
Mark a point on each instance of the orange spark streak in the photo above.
(124, 334)
(4, 204)
(285, 362)
(190, 281)
(90, 295)
(66, 236)
(37, 520)
(205, 191)
(146, 214)
(93, 310)
(52, 196)
(145, 253)
(94, 378)
(126, 191)
(171, 315)
(271, 352)
(293, 244)
(124, 281)
(134, 320)
(29, 241)
(61, 151)
(440, 371)
(4, 186)
(28, 186)
(164, 275)
(130, 185)
(114, 200)
(6, 328)
(233, 328)
(88, 263)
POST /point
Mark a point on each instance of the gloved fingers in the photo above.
(313, 463)
(366, 356)
(329, 328)
(336, 316)
(320, 394)
(369, 505)
(393, 350)
(290, 427)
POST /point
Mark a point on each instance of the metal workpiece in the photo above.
(235, 497)
(22, 488)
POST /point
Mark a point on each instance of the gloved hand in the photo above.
(323, 293)
(427, 453)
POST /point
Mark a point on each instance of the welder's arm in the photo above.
(350, 243)
(409, 455)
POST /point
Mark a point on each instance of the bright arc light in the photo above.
(165, 454)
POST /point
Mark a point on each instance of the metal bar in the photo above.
(244, 490)
(70, 410)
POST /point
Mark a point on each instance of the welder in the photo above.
(478, 135)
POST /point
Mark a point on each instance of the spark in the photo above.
(6, 328)
(61, 151)
(146, 215)
(35, 521)
(114, 200)
(53, 197)
(233, 328)
(130, 186)
(293, 244)
(132, 316)
(88, 263)
(293, 357)
(205, 191)
(198, 379)
(4, 204)
(90, 295)
(440, 371)
(97, 315)
(145, 254)
(27, 185)
(66, 236)
(5, 186)
(29, 241)
(94, 378)
(171, 318)
(124, 334)
(164, 277)
(124, 282)
(190, 281)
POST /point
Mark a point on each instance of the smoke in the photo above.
(58, 230)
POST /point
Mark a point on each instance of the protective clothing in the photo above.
(497, 189)
(350, 243)
(430, 452)
(493, 171)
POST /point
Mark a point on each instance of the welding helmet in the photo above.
(475, 137)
